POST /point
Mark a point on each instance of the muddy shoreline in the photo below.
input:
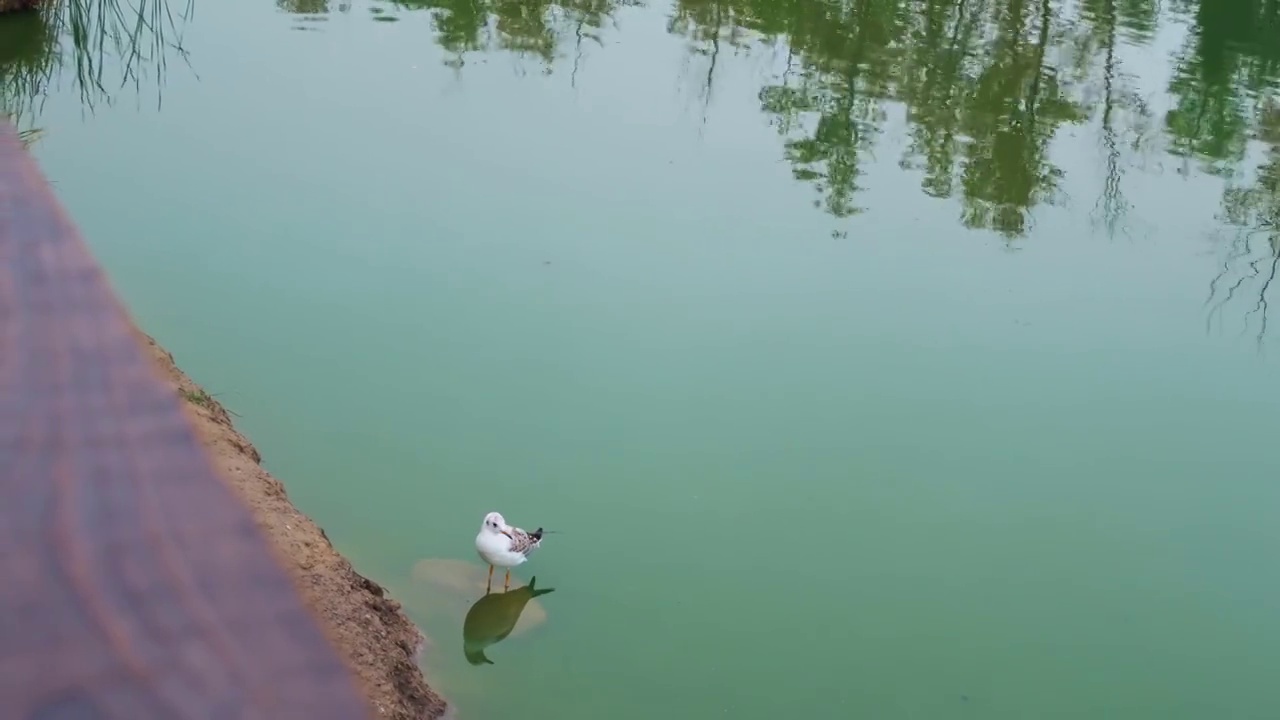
(368, 628)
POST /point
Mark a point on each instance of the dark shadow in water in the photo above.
(28, 49)
(492, 618)
(104, 44)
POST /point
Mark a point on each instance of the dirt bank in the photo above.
(369, 629)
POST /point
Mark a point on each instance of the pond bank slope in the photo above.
(368, 628)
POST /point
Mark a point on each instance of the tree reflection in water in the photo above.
(984, 85)
(106, 46)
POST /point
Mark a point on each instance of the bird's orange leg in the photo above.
(489, 584)
(507, 585)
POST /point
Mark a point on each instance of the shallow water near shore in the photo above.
(885, 359)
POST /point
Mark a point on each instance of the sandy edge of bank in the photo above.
(369, 629)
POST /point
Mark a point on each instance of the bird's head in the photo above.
(494, 523)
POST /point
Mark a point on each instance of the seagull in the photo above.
(505, 546)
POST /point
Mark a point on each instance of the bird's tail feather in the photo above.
(536, 592)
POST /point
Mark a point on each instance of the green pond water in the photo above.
(890, 359)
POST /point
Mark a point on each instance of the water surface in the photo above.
(893, 359)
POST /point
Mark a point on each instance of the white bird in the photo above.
(505, 546)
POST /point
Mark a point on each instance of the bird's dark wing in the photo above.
(524, 542)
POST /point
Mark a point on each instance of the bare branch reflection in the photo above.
(1253, 256)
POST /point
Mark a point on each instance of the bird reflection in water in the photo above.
(492, 618)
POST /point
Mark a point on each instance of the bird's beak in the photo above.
(504, 532)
